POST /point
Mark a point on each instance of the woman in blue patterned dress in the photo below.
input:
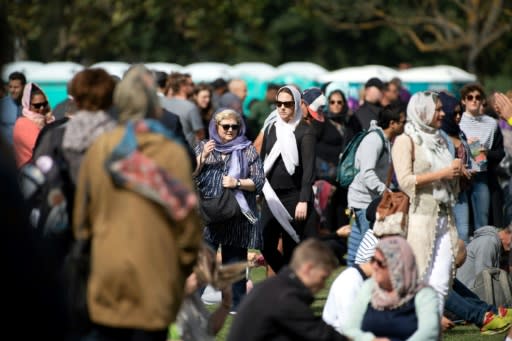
(228, 160)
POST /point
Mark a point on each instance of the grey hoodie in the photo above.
(483, 252)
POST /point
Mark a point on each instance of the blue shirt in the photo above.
(9, 112)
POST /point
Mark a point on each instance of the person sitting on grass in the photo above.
(279, 308)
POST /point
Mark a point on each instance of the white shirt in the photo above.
(342, 295)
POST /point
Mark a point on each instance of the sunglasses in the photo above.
(287, 104)
(336, 102)
(471, 97)
(227, 126)
(39, 105)
(381, 264)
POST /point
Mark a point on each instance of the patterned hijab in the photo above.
(403, 273)
(420, 114)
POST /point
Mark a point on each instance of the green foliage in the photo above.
(333, 33)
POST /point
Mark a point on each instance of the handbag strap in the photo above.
(391, 169)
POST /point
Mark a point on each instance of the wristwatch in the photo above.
(238, 183)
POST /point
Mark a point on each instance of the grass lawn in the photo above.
(459, 333)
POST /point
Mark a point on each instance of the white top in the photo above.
(342, 295)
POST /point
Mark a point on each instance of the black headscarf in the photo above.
(448, 124)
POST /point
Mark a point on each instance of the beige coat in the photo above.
(423, 209)
(140, 259)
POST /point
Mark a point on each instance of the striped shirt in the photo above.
(367, 247)
(481, 127)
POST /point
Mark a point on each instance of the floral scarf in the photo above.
(403, 273)
(131, 169)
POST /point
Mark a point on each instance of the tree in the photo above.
(450, 25)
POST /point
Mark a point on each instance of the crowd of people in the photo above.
(125, 165)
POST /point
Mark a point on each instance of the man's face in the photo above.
(473, 101)
(16, 89)
(315, 277)
(398, 127)
(391, 93)
(189, 86)
(240, 90)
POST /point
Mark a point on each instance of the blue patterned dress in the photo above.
(238, 231)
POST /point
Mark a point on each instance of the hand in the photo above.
(446, 323)
(344, 231)
(503, 105)
(228, 182)
(208, 148)
(467, 173)
(454, 170)
(301, 211)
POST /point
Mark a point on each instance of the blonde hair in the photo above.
(227, 113)
(134, 98)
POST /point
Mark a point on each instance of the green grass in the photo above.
(459, 333)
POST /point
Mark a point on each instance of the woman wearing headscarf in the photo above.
(229, 162)
(459, 148)
(288, 151)
(427, 172)
(394, 304)
(35, 115)
(135, 201)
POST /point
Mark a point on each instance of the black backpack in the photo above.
(47, 186)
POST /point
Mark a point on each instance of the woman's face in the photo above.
(39, 104)
(438, 116)
(203, 99)
(336, 103)
(457, 114)
(472, 102)
(228, 129)
(285, 106)
(381, 271)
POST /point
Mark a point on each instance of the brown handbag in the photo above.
(391, 217)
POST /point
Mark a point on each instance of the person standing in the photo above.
(486, 144)
(427, 172)
(135, 202)
(370, 108)
(10, 106)
(288, 153)
(373, 159)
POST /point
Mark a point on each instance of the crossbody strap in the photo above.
(391, 169)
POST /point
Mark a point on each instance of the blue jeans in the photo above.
(461, 215)
(359, 228)
(466, 305)
(480, 200)
(234, 254)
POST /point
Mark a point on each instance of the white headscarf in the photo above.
(286, 145)
(420, 113)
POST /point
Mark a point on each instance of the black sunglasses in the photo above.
(39, 105)
(227, 126)
(336, 102)
(470, 97)
(380, 264)
(287, 104)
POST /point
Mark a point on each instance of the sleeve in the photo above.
(307, 152)
(368, 154)
(427, 306)
(497, 151)
(195, 119)
(486, 256)
(297, 318)
(402, 157)
(358, 309)
(256, 172)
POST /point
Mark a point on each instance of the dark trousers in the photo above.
(233, 254)
(272, 231)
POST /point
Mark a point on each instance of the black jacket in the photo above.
(366, 113)
(279, 309)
